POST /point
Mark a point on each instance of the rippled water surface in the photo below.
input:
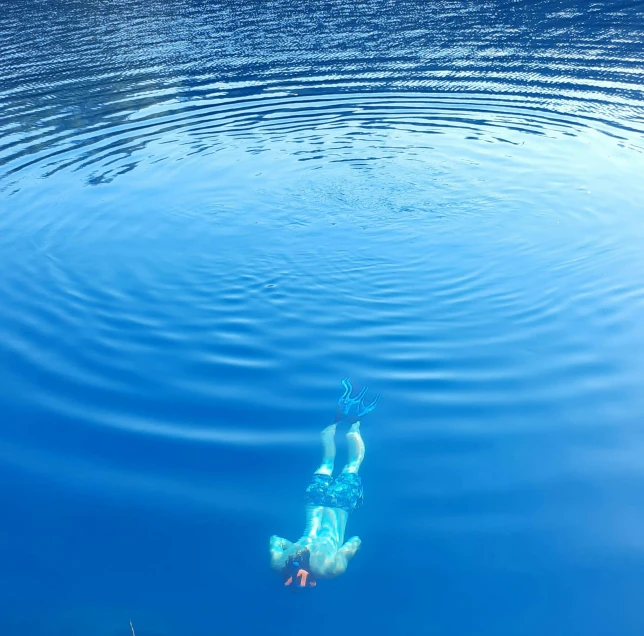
(211, 212)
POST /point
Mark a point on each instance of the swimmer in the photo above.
(321, 552)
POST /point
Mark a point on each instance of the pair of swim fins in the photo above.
(351, 409)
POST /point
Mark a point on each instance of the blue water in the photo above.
(211, 212)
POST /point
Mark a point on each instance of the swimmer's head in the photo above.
(297, 572)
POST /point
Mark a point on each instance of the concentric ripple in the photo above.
(191, 76)
(454, 131)
(210, 212)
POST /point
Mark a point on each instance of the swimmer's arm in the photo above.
(345, 553)
(277, 548)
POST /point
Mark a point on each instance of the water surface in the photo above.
(211, 212)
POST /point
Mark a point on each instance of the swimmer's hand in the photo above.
(277, 547)
(351, 547)
(345, 553)
(279, 543)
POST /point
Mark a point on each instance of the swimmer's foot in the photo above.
(328, 435)
(355, 428)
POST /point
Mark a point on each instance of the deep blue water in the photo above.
(211, 212)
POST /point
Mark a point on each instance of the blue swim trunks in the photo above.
(344, 492)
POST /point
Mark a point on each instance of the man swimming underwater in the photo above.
(321, 551)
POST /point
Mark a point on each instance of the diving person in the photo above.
(321, 552)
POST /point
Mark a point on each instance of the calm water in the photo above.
(211, 212)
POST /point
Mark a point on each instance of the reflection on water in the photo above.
(210, 212)
(101, 84)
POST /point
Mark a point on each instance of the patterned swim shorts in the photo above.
(344, 492)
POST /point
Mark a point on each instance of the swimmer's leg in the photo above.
(328, 451)
(355, 446)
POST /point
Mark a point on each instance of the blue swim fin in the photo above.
(350, 408)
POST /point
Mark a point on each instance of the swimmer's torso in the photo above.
(323, 537)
